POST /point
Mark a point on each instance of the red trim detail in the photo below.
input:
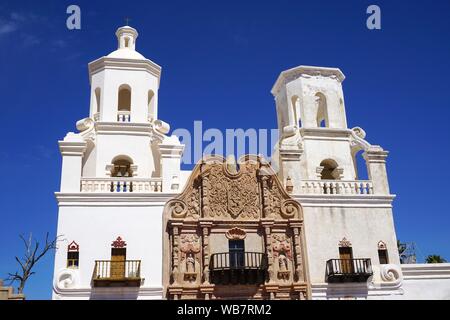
(73, 247)
(119, 243)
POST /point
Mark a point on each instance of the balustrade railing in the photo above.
(123, 116)
(110, 269)
(121, 185)
(336, 187)
(117, 272)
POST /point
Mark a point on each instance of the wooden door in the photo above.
(118, 257)
(346, 259)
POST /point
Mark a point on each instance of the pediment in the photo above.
(219, 190)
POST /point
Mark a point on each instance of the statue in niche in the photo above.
(190, 263)
(283, 262)
(190, 266)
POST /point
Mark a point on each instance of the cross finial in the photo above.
(127, 20)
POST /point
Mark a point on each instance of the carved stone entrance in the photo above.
(235, 233)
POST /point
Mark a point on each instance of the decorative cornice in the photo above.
(375, 154)
(72, 148)
(144, 129)
(129, 199)
(325, 133)
(306, 71)
(345, 201)
(421, 271)
(339, 290)
(86, 292)
(124, 64)
(290, 154)
(170, 150)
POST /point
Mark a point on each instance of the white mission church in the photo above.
(136, 226)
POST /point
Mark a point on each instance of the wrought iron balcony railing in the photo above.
(117, 273)
(238, 268)
(238, 260)
(348, 270)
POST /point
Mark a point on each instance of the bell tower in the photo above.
(315, 140)
(117, 173)
(310, 97)
(124, 84)
(317, 156)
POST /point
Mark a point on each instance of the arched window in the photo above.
(124, 101)
(122, 167)
(382, 253)
(295, 102)
(97, 100)
(151, 105)
(127, 42)
(322, 111)
(329, 171)
(360, 166)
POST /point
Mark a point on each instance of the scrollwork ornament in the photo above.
(178, 209)
(290, 209)
(391, 273)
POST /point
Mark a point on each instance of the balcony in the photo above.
(108, 273)
(336, 187)
(348, 270)
(121, 185)
(238, 268)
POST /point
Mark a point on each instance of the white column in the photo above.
(72, 149)
(171, 152)
(376, 168)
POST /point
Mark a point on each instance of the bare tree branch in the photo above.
(31, 256)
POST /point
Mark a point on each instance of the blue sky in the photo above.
(220, 59)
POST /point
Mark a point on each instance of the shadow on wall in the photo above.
(115, 293)
(342, 291)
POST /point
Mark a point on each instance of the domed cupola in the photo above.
(126, 38)
(124, 84)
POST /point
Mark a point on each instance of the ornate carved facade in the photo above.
(235, 233)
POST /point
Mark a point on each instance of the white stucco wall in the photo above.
(137, 147)
(364, 227)
(95, 226)
(426, 281)
(140, 82)
(318, 149)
